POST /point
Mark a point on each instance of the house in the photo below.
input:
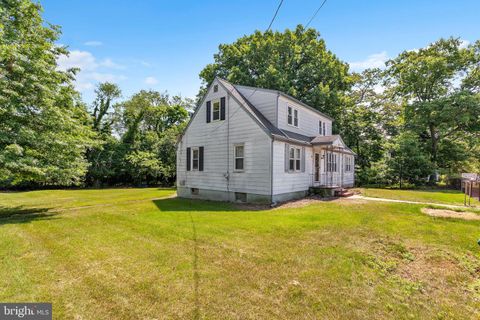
(259, 145)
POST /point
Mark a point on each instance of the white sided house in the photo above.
(259, 145)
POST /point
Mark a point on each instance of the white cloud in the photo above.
(151, 80)
(77, 59)
(108, 63)
(90, 69)
(464, 43)
(376, 60)
(93, 43)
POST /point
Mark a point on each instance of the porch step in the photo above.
(331, 191)
(343, 193)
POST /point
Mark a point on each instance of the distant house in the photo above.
(259, 145)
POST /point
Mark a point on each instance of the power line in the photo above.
(314, 15)
(275, 15)
(269, 26)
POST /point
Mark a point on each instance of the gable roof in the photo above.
(264, 123)
(249, 106)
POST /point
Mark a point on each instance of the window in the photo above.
(348, 164)
(215, 88)
(194, 191)
(292, 116)
(321, 127)
(331, 159)
(216, 110)
(239, 157)
(195, 158)
(241, 196)
(295, 159)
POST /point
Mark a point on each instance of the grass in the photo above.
(127, 254)
(452, 197)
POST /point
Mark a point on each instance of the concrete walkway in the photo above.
(451, 206)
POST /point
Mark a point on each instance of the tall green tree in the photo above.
(296, 62)
(408, 161)
(44, 127)
(370, 119)
(436, 84)
(105, 156)
(150, 124)
(106, 93)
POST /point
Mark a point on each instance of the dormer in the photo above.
(288, 113)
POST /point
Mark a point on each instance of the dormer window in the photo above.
(321, 127)
(292, 116)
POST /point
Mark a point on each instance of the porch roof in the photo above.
(333, 140)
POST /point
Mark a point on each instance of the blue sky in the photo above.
(163, 45)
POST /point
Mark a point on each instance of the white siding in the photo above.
(307, 119)
(264, 101)
(218, 139)
(284, 182)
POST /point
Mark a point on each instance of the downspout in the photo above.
(271, 152)
(227, 107)
(276, 110)
(271, 172)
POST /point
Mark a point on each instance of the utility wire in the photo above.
(275, 15)
(269, 26)
(315, 14)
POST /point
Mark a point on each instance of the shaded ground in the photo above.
(135, 253)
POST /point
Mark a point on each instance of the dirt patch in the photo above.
(444, 213)
(298, 203)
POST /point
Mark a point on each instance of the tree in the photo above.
(369, 120)
(151, 123)
(295, 62)
(436, 106)
(44, 127)
(103, 158)
(106, 92)
(408, 161)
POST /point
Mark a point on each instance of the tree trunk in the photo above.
(434, 146)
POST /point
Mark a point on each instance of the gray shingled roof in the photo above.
(325, 139)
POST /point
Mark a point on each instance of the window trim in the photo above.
(297, 159)
(294, 116)
(235, 157)
(193, 158)
(213, 110)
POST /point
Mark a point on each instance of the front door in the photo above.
(317, 167)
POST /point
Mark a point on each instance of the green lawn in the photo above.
(126, 254)
(453, 197)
